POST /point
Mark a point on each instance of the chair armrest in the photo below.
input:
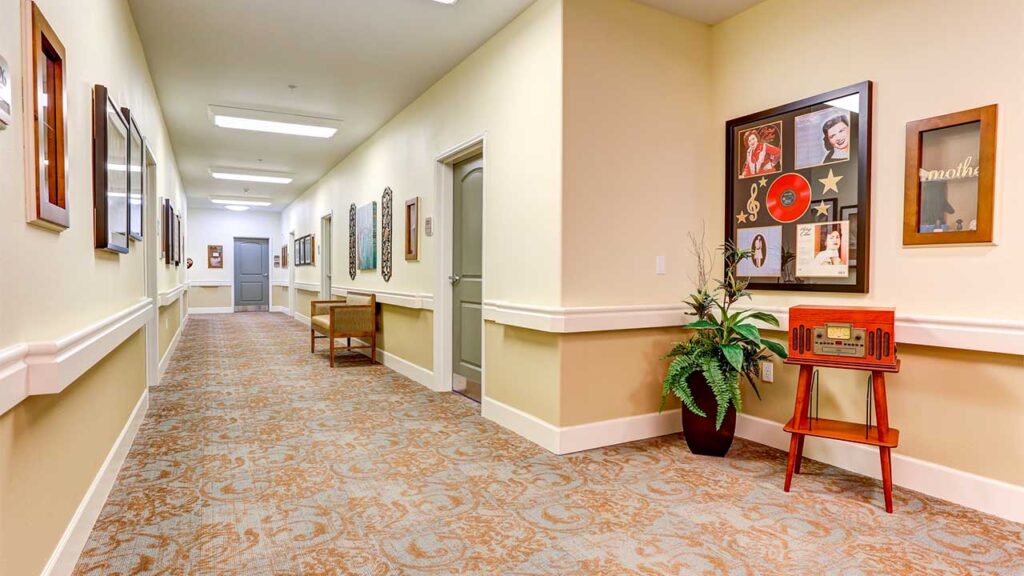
(316, 304)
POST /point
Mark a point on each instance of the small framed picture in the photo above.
(110, 173)
(412, 229)
(949, 188)
(214, 256)
(849, 215)
(823, 250)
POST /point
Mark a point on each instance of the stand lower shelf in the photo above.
(846, 431)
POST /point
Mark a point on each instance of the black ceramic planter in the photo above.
(700, 433)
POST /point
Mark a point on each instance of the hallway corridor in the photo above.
(257, 458)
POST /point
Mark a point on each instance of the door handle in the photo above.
(454, 279)
(265, 275)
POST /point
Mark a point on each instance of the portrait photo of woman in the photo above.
(757, 251)
(823, 137)
(760, 150)
(831, 243)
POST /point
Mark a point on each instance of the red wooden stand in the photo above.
(803, 425)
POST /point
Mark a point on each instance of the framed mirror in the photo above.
(136, 177)
(949, 187)
(110, 173)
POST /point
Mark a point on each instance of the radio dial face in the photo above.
(839, 340)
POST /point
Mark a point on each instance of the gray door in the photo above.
(252, 274)
(467, 277)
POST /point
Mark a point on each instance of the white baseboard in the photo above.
(301, 318)
(216, 310)
(72, 542)
(280, 309)
(166, 360)
(540, 432)
(414, 372)
(964, 488)
(971, 490)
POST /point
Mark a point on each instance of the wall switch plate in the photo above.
(659, 264)
(767, 371)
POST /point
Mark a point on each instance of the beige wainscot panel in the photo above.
(210, 297)
(522, 369)
(952, 407)
(408, 333)
(57, 443)
(170, 322)
(280, 296)
(608, 375)
(303, 299)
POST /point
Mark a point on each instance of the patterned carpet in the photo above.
(257, 458)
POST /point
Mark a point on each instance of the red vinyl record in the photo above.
(788, 198)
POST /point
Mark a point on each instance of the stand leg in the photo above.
(799, 454)
(886, 477)
(793, 442)
(882, 420)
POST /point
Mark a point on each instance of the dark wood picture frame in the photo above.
(304, 251)
(167, 230)
(177, 240)
(987, 117)
(136, 177)
(44, 57)
(110, 173)
(860, 153)
(284, 256)
(412, 229)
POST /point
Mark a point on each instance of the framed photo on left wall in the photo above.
(110, 146)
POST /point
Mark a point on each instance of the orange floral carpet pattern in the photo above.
(257, 458)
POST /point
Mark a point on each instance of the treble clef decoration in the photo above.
(753, 206)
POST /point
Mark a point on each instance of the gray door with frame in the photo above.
(467, 277)
(252, 274)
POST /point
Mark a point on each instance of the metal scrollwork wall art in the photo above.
(386, 228)
(352, 242)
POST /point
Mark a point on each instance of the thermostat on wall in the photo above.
(5, 93)
(428, 226)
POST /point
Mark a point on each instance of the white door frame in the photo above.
(326, 253)
(442, 228)
(151, 254)
(291, 274)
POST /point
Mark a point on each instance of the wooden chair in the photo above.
(354, 317)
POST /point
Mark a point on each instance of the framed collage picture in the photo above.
(798, 192)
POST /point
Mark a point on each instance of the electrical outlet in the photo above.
(659, 265)
(767, 371)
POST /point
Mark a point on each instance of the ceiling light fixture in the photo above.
(237, 208)
(274, 122)
(240, 202)
(448, 2)
(246, 175)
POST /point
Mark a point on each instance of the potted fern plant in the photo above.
(705, 371)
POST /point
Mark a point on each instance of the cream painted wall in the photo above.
(408, 334)
(302, 300)
(636, 175)
(210, 297)
(62, 273)
(51, 448)
(279, 296)
(221, 227)
(925, 60)
(510, 89)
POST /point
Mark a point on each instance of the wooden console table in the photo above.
(803, 425)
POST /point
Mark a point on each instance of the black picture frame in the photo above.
(110, 146)
(857, 164)
(136, 177)
(167, 230)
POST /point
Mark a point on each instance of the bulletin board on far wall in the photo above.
(798, 192)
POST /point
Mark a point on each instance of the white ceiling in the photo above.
(706, 11)
(360, 61)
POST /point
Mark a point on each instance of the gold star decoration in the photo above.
(741, 218)
(831, 182)
(822, 209)
(763, 181)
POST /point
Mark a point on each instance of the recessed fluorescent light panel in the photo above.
(237, 208)
(246, 175)
(240, 201)
(449, 2)
(274, 122)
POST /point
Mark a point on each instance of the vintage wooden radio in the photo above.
(848, 335)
